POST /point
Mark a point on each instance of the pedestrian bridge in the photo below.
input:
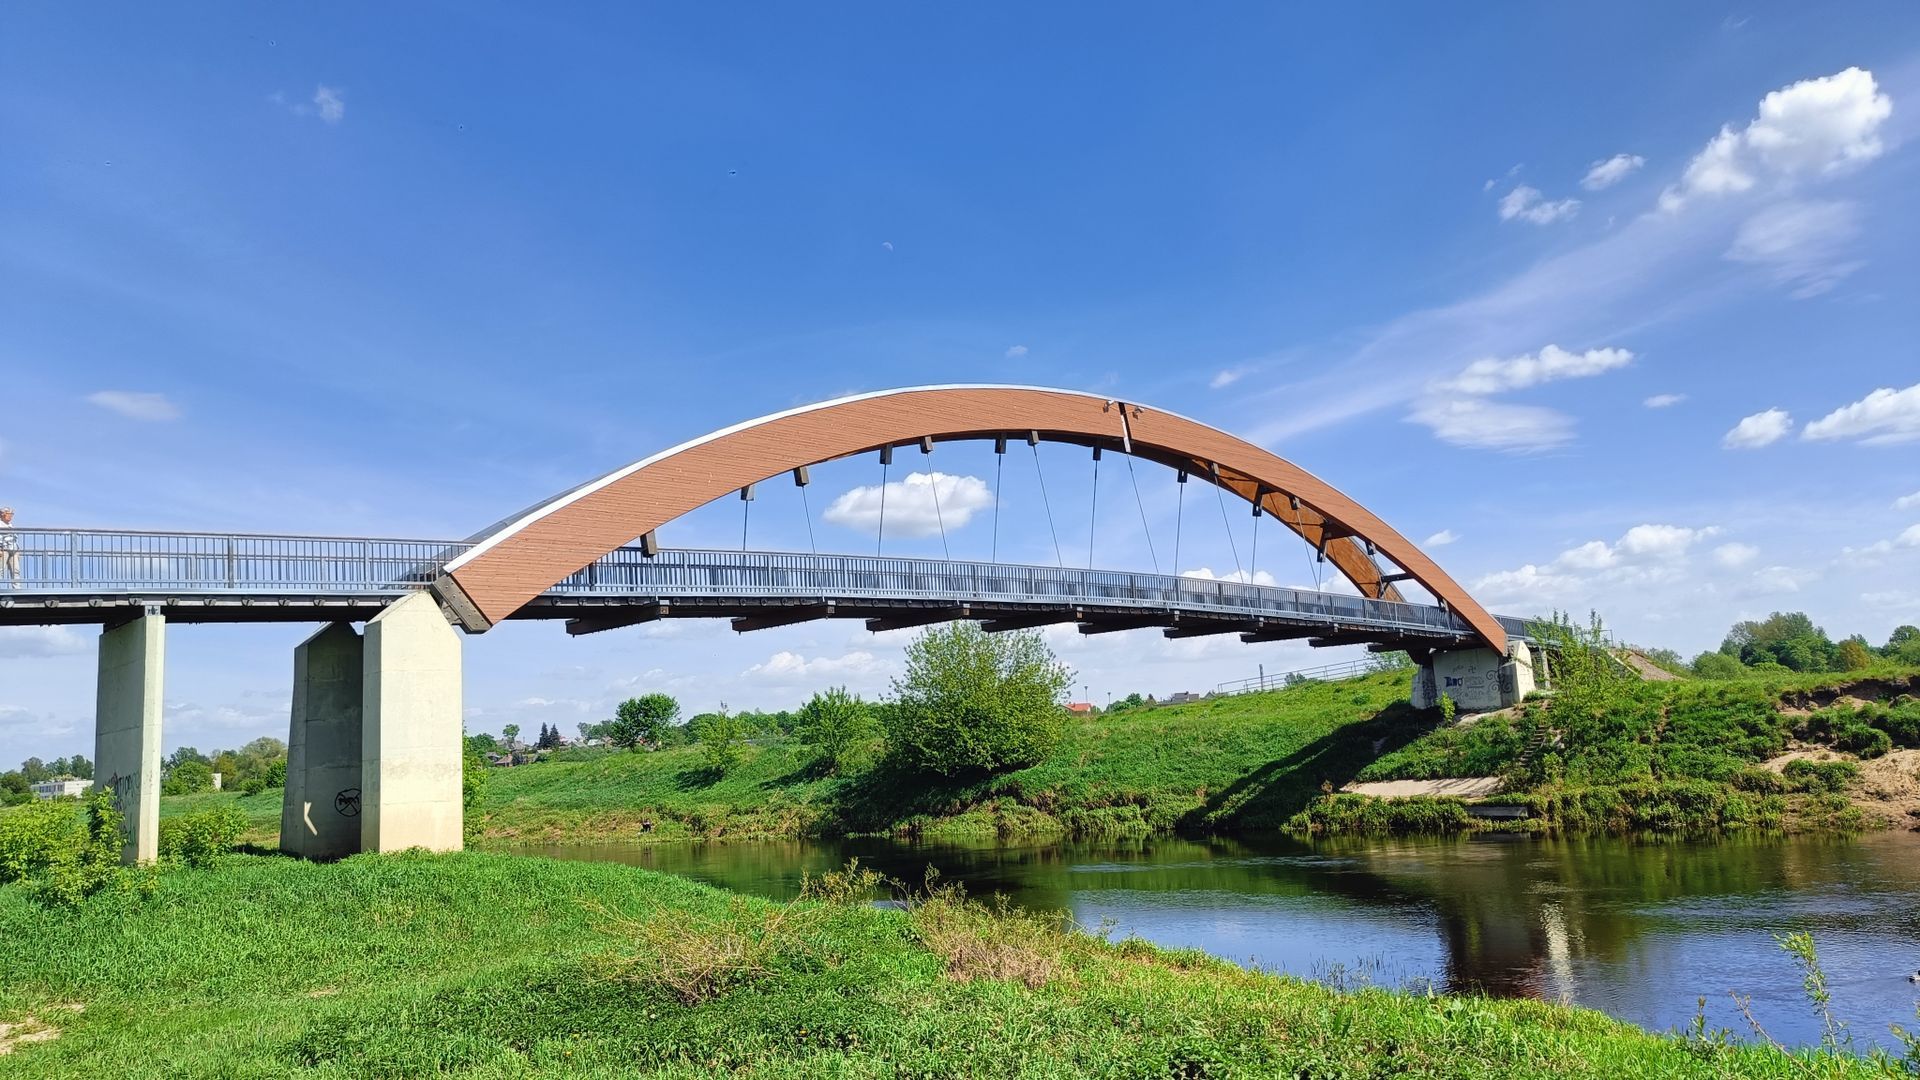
(109, 577)
(374, 733)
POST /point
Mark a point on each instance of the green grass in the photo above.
(1240, 762)
(1250, 762)
(498, 966)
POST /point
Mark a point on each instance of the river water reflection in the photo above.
(1637, 929)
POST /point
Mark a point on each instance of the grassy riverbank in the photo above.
(499, 966)
(1686, 755)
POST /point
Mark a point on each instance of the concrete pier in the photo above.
(411, 747)
(126, 727)
(320, 814)
(1478, 680)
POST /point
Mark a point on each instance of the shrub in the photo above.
(836, 722)
(1362, 815)
(1821, 777)
(720, 737)
(198, 839)
(974, 702)
(63, 858)
(188, 778)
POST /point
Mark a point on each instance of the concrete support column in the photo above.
(411, 731)
(126, 727)
(321, 809)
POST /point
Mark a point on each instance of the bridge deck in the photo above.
(75, 576)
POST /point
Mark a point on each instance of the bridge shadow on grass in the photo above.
(1268, 796)
(812, 771)
(889, 795)
(695, 779)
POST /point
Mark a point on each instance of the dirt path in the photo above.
(1648, 670)
(1463, 787)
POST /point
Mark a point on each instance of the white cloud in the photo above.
(1492, 375)
(1908, 538)
(1813, 127)
(328, 104)
(1015, 352)
(1441, 538)
(1226, 378)
(1663, 541)
(1882, 418)
(1907, 502)
(136, 405)
(1760, 429)
(1204, 573)
(788, 666)
(1592, 555)
(910, 505)
(1778, 579)
(1526, 203)
(39, 642)
(1493, 425)
(1735, 555)
(1803, 244)
(1663, 401)
(1605, 174)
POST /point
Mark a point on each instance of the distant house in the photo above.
(1080, 708)
(61, 789)
(1184, 697)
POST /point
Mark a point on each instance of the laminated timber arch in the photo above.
(517, 560)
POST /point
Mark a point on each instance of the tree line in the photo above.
(968, 703)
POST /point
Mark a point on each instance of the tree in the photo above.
(974, 702)
(80, 767)
(188, 778)
(1588, 681)
(1787, 638)
(836, 722)
(35, 770)
(1853, 655)
(1718, 665)
(720, 736)
(183, 754)
(642, 720)
(512, 733)
(1900, 638)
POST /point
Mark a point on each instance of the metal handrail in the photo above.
(106, 562)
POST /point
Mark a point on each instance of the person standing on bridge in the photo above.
(9, 546)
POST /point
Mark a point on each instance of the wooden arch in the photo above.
(517, 560)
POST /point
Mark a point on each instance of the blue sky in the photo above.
(1600, 296)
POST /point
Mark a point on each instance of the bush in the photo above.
(61, 857)
(973, 702)
(1362, 815)
(188, 778)
(1718, 665)
(1821, 777)
(836, 722)
(720, 737)
(198, 839)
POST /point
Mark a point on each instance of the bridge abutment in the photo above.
(1478, 680)
(320, 812)
(411, 742)
(126, 727)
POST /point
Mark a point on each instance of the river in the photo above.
(1637, 929)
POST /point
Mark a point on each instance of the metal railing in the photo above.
(1278, 680)
(107, 563)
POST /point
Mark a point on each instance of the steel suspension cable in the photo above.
(999, 470)
(1179, 512)
(1142, 504)
(1227, 523)
(1253, 558)
(933, 482)
(886, 458)
(1034, 445)
(806, 511)
(1093, 511)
